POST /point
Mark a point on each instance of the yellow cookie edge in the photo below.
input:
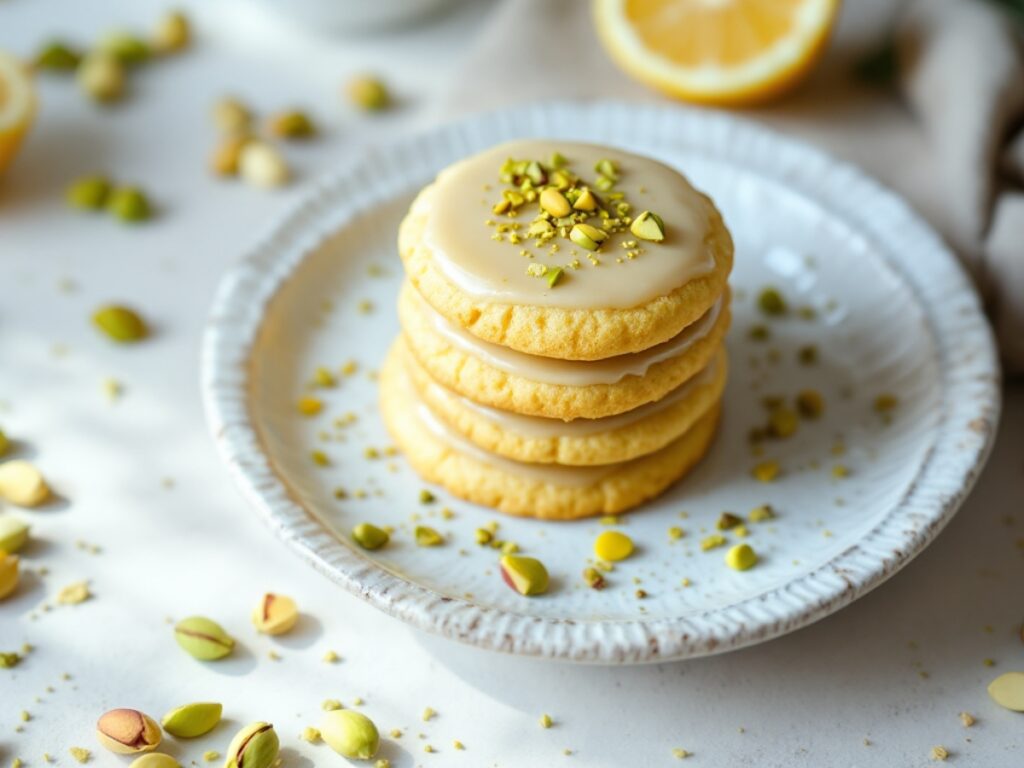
(479, 381)
(640, 438)
(565, 333)
(469, 478)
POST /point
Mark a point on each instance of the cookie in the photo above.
(583, 442)
(551, 492)
(557, 389)
(489, 272)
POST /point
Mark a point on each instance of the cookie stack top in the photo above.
(562, 321)
(495, 252)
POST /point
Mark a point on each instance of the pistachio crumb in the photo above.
(456, 744)
(967, 719)
(210, 755)
(679, 753)
(546, 721)
(428, 714)
(330, 657)
(330, 705)
(939, 753)
(81, 754)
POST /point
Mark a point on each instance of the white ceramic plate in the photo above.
(894, 314)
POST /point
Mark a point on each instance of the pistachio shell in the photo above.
(127, 731)
(203, 638)
(191, 720)
(275, 615)
(255, 746)
(351, 734)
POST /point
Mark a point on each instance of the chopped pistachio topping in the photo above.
(771, 302)
(713, 541)
(546, 721)
(648, 226)
(761, 514)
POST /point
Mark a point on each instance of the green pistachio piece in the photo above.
(125, 47)
(727, 521)
(13, 533)
(607, 168)
(129, 204)
(369, 536)
(553, 275)
(57, 56)
(427, 536)
(554, 202)
(120, 323)
(648, 226)
(585, 200)
(771, 302)
(291, 125)
(604, 183)
(558, 160)
(128, 731)
(526, 575)
(586, 236)
(88, 193)
(351, 734)
(191, 720)
(539, 228)
(203, 638)
(155, 760)
(535, 173)
(369, 93)
(9, 659)
(255, 746)
(101, 76)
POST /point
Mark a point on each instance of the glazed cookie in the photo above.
(441, 455)
(556, 389)
(583, 442)
(566, 250)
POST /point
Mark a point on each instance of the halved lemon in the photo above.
(17, 106)
(727, 52)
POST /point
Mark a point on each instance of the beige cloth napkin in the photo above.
(946, 146)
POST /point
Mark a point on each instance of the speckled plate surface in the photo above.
(892, 314)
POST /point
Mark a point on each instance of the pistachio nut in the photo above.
(22, 484)
(203, 638)
(191, 720)
(553, 275)
(225, 158)
(155, 760)
(255, 746)
(120, 323)
(173, 33)
(8, 574)
(130, 204)
(526, 575)
(587, 201)
(275, 615)
(57, 56)
(88, 193)
(127, 731)
(291, 125)
(554, 202)
(102, 77)
(587, 236)
(232, 117)
(368, 93)
(124, 46)
(648, 226)
(369, 536)
(351, 734)
(262, 165)
(741, 557)
(13, 533)
(427, 536)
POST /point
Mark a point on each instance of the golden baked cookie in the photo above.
(628, 295)
(543, 491)
(555, 389)
(583, 442)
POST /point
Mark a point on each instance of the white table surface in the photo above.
(878, 684)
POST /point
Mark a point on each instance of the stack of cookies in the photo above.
(563, 319)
